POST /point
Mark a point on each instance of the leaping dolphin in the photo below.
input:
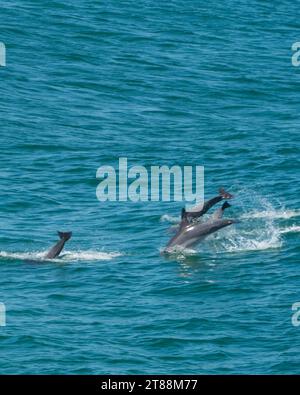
(190, 231)
(191, 234)
(57, 249)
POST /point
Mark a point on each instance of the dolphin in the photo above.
(185, 221)
(201, 209)
(191, 234)
(57, 249)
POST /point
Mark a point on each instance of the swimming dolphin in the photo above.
(192, 234)
(57, 249)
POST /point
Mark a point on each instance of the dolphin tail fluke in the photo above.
(224, 194)
(225, 205)
(218, 214)
(65, 235)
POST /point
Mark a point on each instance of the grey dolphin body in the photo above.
(192, 234)
(57, 249)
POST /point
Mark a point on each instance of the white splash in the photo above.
(180, 252)
(89, 255)
(240, 243)
(246, 236)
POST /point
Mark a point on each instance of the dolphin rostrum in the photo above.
(57, 249)
(192, 234)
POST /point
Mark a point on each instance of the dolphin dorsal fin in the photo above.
(184, 220)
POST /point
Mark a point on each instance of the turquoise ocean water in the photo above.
(180, 82)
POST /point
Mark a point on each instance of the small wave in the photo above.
(272, 214)
(170, 218)
(66, 256)
(290, 229)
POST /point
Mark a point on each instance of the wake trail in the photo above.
(66, 256)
